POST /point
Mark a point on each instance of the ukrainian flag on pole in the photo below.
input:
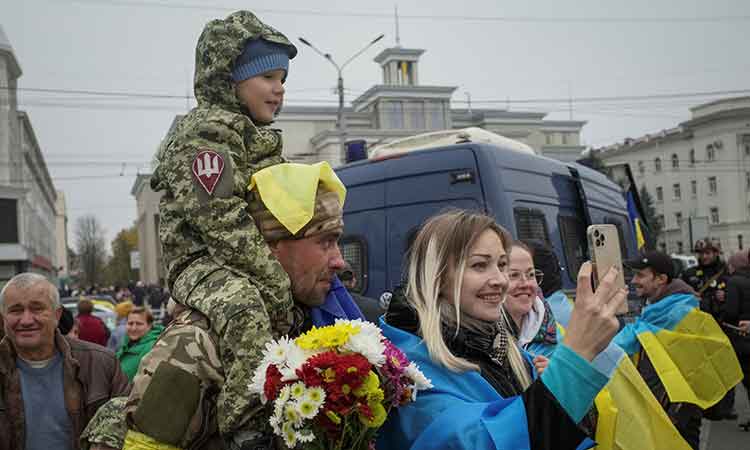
(635, 219)
(691, 354)
(629, 417)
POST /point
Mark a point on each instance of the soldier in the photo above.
(217, 261)
(708, 279)
(185, 373)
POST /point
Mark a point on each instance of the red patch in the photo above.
(207, 168)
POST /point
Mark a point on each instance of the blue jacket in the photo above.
(463, 411)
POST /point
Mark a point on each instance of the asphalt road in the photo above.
(726, 434)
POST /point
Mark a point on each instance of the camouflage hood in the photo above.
(221, 42)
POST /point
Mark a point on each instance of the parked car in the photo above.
(390, 195)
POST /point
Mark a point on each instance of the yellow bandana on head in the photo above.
(288, 190)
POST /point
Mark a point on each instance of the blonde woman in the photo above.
(485, 393)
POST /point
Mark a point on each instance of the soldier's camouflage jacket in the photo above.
(217, 261)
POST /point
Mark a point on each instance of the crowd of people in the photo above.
(251, 247)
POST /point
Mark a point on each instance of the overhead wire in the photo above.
(388, 15)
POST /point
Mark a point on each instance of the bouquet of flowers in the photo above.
(333, 386)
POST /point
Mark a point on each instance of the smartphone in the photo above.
(604, 245)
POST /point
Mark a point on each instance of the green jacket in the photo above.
(130, 355)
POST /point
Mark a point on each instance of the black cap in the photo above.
(659, 262)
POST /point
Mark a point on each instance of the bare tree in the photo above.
(91, 248)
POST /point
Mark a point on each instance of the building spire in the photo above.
(398, 35)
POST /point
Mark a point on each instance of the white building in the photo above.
(27, 195)
(699, 169)
(401, 107)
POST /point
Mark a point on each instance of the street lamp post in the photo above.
(340, 119)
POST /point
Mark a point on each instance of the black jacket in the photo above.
(738, 308)
(549, 425)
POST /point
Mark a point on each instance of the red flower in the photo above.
(272, 386)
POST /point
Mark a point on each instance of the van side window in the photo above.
(573, 237)
(530, 224)
(354, 251)
(617, 222)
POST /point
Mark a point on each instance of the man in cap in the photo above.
(709, 277)
(654, 280)
(709, 280)
(185, 372)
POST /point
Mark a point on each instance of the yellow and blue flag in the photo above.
(690, 353)
(629, 416)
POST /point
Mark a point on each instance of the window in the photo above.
(660, 220)
(9, 224)
(676, 191)
(641, 167)
(663, 247)
(675, 161)
(394, 114)
(547, 138)
(573, 236)
(659, 194)
(694, 188)
(530, 224)
(710, 153)
(620, 234)
(680, 247)
(657, 164)
(692, 156)
(714, 215)
(747, 181)
(564, 138)
(712, 186)
(354, 251)
(678, 218)
(739, 241)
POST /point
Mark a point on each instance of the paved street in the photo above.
(726, 435)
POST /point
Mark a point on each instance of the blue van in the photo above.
(532, 196)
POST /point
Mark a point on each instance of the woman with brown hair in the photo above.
(141, 335)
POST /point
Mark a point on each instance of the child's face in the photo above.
(262, 94)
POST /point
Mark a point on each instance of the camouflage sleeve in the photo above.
(213, 203)
(182, 371)
(107, 427)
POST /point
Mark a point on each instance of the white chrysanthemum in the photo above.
(421, 382)
(276, 351)
(368, 342)
(259, 380)
(291, 415)
(275, 422)
(316, 395)
(298, 390)
(305, 436)
(306, 408)
(295, 359)
(289, 434)
(284, 394)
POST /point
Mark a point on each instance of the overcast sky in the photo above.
(495, 50)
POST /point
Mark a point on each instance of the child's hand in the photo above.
(540, 363)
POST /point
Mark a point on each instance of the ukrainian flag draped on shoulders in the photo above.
(690, 353)
(629, 416)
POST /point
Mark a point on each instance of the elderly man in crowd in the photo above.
(185, 371)
(50, 385)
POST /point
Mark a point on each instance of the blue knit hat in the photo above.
(260, 56)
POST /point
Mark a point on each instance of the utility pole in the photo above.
(340, 119)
